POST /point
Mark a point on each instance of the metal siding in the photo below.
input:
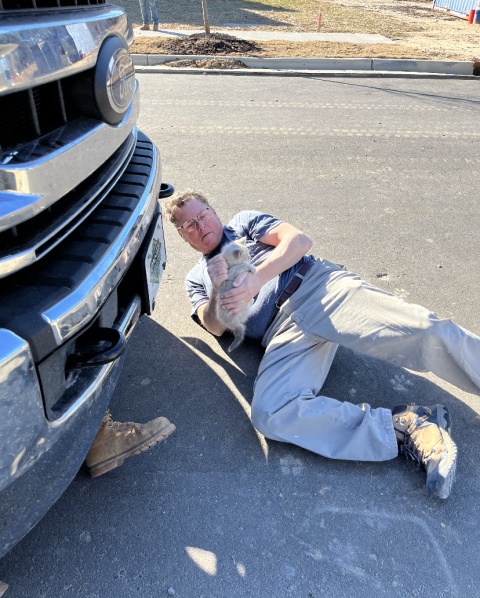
(462, 7)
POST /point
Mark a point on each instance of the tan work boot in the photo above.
(116, 441)
(145, 27)
(424, 436)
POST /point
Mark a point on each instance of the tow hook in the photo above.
(166, 190)
(104, 345)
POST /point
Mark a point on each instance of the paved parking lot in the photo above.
(381, 174)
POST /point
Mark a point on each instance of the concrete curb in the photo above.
(358, 66)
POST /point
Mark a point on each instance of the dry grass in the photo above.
(419, 32)
(285, 49)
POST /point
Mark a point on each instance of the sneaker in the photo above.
(145, 27)
(424, 436)
(155, 27)
(116, 441)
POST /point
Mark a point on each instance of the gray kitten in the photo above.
(238, 260)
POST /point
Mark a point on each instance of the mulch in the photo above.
(207, 63)
(216, 43)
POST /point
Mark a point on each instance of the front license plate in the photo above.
(155, 258)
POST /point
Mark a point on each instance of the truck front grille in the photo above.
(29, 114)
(47, 229)
(42, 4)
(34, 290)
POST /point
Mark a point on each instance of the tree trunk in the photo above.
(205, 18)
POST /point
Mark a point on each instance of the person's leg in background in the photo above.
(145, 16)
(154, 13)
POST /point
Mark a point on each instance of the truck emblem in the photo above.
(121, 80)
(114, 81)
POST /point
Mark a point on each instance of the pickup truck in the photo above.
(81, 239)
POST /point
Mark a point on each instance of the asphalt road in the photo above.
(382, 174)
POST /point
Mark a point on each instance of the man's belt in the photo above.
(294, 283)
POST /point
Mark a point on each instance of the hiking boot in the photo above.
(436, 414)
(116, 441)
(155, 27)
(424, 436)
(145, 27)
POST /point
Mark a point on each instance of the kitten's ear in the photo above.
(242, 240)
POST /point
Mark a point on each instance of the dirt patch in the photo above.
(437, 33)
(214, 44)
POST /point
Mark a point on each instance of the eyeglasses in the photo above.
(190, 225)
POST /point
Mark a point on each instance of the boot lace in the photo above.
(108, 421)
(413, 450)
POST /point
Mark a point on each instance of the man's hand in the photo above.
(217, 270)
(247, 285)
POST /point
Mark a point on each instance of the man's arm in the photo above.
(207, 314)
(217, 269)
(290, 246)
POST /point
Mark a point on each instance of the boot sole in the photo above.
(440, 480)
(440, 415)
(109, 464)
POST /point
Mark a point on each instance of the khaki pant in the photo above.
(333, 307)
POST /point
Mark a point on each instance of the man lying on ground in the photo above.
(303, 309)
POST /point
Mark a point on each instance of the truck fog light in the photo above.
(114, 81)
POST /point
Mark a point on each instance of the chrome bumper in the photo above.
(25, 434)
(79, 307)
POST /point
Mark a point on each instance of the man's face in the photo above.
(207, 234)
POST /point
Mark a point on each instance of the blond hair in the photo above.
(178, 201)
